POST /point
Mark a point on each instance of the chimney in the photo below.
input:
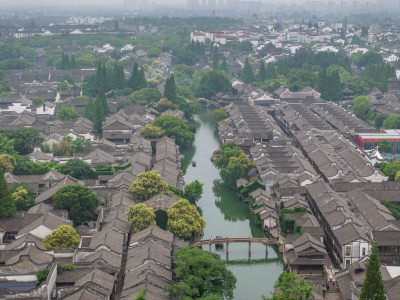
(44, 107)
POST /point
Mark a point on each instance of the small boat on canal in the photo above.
(219, 245)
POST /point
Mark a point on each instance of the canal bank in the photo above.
(227, 216)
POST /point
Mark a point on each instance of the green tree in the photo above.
(80, 201)
(79, 145)
(219, 115)
(140, 295)
(102, 98)
(77, 169)
(215, 61)
(99, 115)
(164, 104)
(153, 53)
(7, 163)
(175, 128)
(73, 64)
(67, 113)
(385, 146)
(292, 288)
(391, 122)
(170, 89)
(208, 83)
(262, 75)
(151, 132)
(6, 145)
(41, 275)
(360, 106)
(184, 220)
(147, 185)
(134, 80)
(246, 74)
(389, 169)
(148, 94)
(24, 139)
(23, 197)
(379, 119)
(38, 101)
(193, 191)
(161, 218)
(62, 86)
(372, 287)
(141, 217)
(63, 237)
(201, 274)
(224, 65)
(7, 205)
(270, 71)
(141, 81)
(223, 155)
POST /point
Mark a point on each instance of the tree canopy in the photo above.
(219, 115)
(7, 163)
(151, 132)
(175, 128)
(246, 74)
(77, 169)
(292, 288)
(63, 237)
(147, 185)
(140, 217)
(67, 113)
(24, 139)
(80, 201)
(360, 106)
(23, 197)
(184, 220)
(201, 274)
(193, 191)
(232, 162)
(208, 83)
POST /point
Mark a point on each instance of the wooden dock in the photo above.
(249, 240)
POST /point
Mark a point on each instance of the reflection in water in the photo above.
(226, 200)
(187, 158)
(226, 215)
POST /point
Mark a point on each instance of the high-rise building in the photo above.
(131, 4)
(212, 4)
(232, 4)
(204, 4)
(192, 4)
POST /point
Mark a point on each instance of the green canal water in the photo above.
(226, 215)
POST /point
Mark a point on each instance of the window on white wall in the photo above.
(348, 251)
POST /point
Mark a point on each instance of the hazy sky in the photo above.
(24, 3)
